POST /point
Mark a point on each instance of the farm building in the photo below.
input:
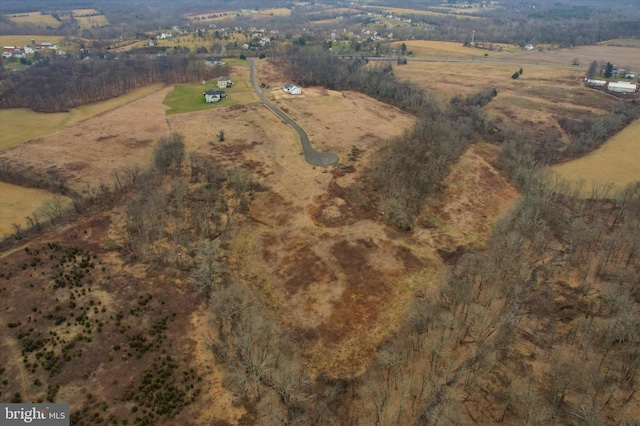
(596, 83)
(224, 82)
(212, 96)
(622, 87)
(292, 89)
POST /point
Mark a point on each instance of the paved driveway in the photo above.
(311, 156)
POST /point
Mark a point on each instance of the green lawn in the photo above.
(189, 97)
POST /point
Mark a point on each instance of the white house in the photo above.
(292, 89)
(529, 47)
(622, 87)
(224, 82)
(212, 96)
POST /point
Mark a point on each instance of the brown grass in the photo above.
(36, 18)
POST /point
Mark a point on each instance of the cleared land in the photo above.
(189, 97)
(36, 18)
(21, 40)
(17, 202)
(399, 11)
(539, 97)
(624, 57)
(449, 50)
(21, 125)
(617, 162)
(625, 42)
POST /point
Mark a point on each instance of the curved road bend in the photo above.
(311, 156)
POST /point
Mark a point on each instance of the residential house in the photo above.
(212, 62)
(596, 83)
(292, 89)
(224, 82)
(529, 47)
(212, 96)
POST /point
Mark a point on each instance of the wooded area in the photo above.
(57, 84)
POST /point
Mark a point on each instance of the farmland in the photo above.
(36, 18)
(18, 202)
(615, 163)
(19, 125)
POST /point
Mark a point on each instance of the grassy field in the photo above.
(624, 42)
(188, 97)
(399, 11)
(36, 18)
(91, 21)
(21, 40)
(20, 125)
(17, 202)
(448, 50)
(617, 162)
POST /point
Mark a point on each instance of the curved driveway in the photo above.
(311, 156)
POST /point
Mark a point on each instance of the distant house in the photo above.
(529, 47)
(212, 96)
(292, 89)
(622, 87)
(212, 62)
(224, 82)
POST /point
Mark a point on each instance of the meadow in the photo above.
(21, 40)
(17, 202)
(616, 163)
(89, 18)
(21, 125)
(36, 18)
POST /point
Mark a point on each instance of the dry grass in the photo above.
(624, 42)
(87, 153)
(17, 202)
(540, 95)
(21, 40)
(400, 11)
(18, 125)
(448, 50)
(36, 18)
(92, 21)
(623, 56)
(617, 162)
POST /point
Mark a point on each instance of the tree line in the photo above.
(57, 84)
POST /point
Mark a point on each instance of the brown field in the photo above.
(540, 96)
(36, 18)
(449, 50)
(21, 40)
(17, 202)
(21, 125)
(624, 57)
(92, 21)
(616, 163)
(625, 42)
(400, 11)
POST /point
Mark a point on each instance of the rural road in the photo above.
(311, 156)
